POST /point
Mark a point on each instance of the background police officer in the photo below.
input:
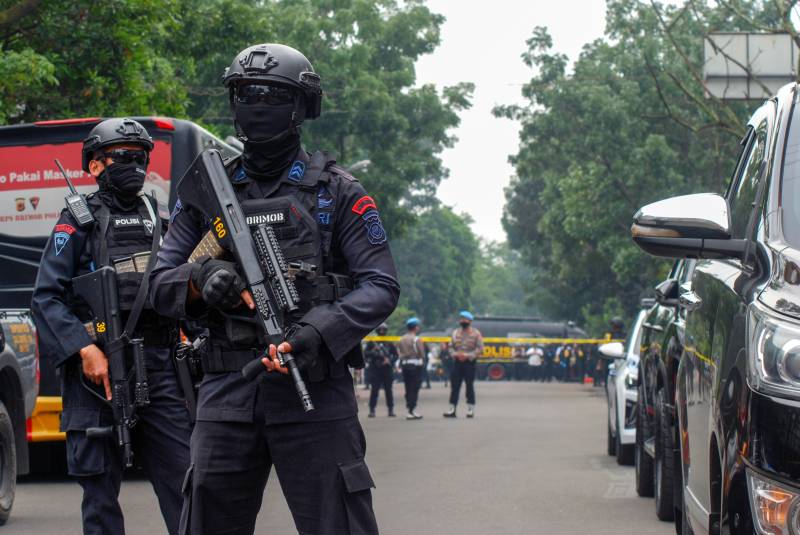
(116, 153)
(467, 346)
(411, 351)
(381, 357)
(323, 216)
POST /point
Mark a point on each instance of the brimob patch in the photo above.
(297, 172)
(61, 236)
(375, 232)
(239, 175)
(363, 204)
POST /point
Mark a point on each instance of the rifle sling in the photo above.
(141, 295)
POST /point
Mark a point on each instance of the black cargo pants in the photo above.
(320, 467)
(160, 445)
(412, 379)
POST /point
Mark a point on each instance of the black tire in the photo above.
(625, 452)
(611, 443)
(641, 460)
(664, 463)
(8, 465)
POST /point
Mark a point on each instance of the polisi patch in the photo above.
(129, 221)
(297, 172)
(375, 232)
(363, 204)
(269, 218)
(148, 227)
(61, 236)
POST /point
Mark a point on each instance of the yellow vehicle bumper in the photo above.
(44, 423)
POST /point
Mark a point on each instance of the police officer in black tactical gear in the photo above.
(321, 216)
(116, 153)
(381, 357)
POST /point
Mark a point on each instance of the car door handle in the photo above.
(690, 301)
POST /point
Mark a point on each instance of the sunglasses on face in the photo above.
(126, 156)
(268, 94)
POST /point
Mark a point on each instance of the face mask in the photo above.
(464, 324)
(124, 179)
(263, 122)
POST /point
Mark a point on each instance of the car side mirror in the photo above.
(612, 350)
(689, 226)
(667, 292)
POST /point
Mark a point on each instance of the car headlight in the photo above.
(776, 508)
(774, 349)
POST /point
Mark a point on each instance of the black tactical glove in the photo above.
(306, 344)
(219, 284)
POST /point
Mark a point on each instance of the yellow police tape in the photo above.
(502, 340)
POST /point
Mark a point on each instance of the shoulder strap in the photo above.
(103, 215)
(141, 295)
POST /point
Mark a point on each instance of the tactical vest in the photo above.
(122, 239)
(302, 216)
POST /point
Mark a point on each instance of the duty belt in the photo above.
(218, 360)
(411, 362)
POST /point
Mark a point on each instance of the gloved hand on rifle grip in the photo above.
(219, 284)
(304, 344)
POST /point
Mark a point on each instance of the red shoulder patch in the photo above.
(63, 227)
(363, 204)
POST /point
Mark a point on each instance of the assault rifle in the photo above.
(129, 389)
(206, 187)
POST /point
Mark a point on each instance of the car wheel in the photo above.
(642, 461)
(8, 465)
(625, 452)
(611, 444)
(664, 462)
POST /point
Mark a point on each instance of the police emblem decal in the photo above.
(375, 232)
(297, 172)
(61, 236)
(148, 226)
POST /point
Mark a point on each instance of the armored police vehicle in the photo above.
(32, 191)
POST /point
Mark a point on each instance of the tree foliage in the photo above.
(437, 261)
(61, 58)
(628, 126)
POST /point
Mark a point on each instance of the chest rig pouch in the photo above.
(123, 239)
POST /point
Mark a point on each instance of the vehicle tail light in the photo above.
(164, 123)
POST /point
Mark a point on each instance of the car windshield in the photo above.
(790, 188)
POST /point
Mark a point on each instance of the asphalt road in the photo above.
(531, 462)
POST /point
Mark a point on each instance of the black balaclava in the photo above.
(120, 184)
(273, 137)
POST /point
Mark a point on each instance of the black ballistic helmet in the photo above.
(114, 132)
(278, 64)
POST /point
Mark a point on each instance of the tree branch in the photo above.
(9, 17)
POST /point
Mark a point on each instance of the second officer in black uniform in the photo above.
(381, 357)
(116, 153)
(324, 217)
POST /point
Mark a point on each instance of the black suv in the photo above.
(657, 456)
(738, 384)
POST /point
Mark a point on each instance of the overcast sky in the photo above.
(482, 43)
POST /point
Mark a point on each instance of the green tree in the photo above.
(70, 58)
(436, 261)
(365, 51)
(501, 281)
(628, 126)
